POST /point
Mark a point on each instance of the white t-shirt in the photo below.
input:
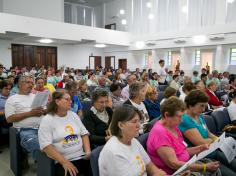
(19, 104)
(162, 73)
(118, 159)
(64, 133)
(232, 111)
(182, 96)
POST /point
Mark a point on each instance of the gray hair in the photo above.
(135, 88)
(24, 77)
(99, 92)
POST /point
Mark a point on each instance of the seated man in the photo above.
(19, 112)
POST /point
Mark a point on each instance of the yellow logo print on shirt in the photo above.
(71, 138)
(142, 165)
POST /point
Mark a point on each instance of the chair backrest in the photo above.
(162, 87)
(45, 165)
(160, 96)
(143, 140)
(221, 119)
(94, 160)
(210, 124)
(86, 106)
(16, 151)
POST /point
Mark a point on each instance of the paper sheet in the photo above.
(214, 146)
(229, 148)
(40, 99)
(186, 165)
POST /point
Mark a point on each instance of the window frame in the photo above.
(197, 57)
(231, 61)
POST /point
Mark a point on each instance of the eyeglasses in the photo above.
(66, 98)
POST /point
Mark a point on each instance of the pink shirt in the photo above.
(160, 136)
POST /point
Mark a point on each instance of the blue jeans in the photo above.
(29, 140)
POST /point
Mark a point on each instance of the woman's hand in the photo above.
(203, 147)
(69, 167)
(212, 166)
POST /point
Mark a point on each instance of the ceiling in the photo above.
(25, 38)
(91, 3)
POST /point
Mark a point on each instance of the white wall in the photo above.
(47, 9)
(77, 56)
(5, 53)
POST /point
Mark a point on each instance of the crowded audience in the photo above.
(68, 136)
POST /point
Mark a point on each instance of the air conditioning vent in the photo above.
(150, 43)
(217, 37)
(180, 40)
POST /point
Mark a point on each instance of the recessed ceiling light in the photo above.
(184, 9)
(139, 44)
(230, 1)
(100, 45)
(124, 21)
(150, 16)
(199, 39)
(122, 11)
(149, 4)
(45, 41)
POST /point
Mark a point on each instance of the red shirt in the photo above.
(213, 99)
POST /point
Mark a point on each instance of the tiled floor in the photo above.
(5, 164)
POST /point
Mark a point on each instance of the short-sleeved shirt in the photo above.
(18, 104)
(232, 111)
(189, 123)
(159, 137)
(118, 159)
(64, 133)
(76, 104)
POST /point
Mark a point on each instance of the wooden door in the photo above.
(51, 57)
(122, 63)
(40, 56)
(33, 56)
(97, 61)
(29, 60)
(17, 55)
(107, 62)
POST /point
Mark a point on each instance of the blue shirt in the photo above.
(153, 109)
(189, 123)
(3, 100)
(75, 105)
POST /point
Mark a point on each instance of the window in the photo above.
(78, 14)
(169, 59)
(197, 57)
(232, 56)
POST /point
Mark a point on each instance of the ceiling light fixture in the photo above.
(150, 16)
(184, 9)
(139, 44)
(45, 40)
(124, 21)
(149, 4)
(100, 45)
(230, 1)
(122, 11)
(199, 39)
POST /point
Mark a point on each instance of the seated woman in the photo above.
(76, 105)
(137, 93)
(175, 82)
(63, 137)
(123, 154)
(213, 99)
(165, 144)
(98, 118)
(151, 103)
(186, 89)
(39, 87)
(169, 92)
(232, 107)
(83, 93)
(117, 99)
(193, 124)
